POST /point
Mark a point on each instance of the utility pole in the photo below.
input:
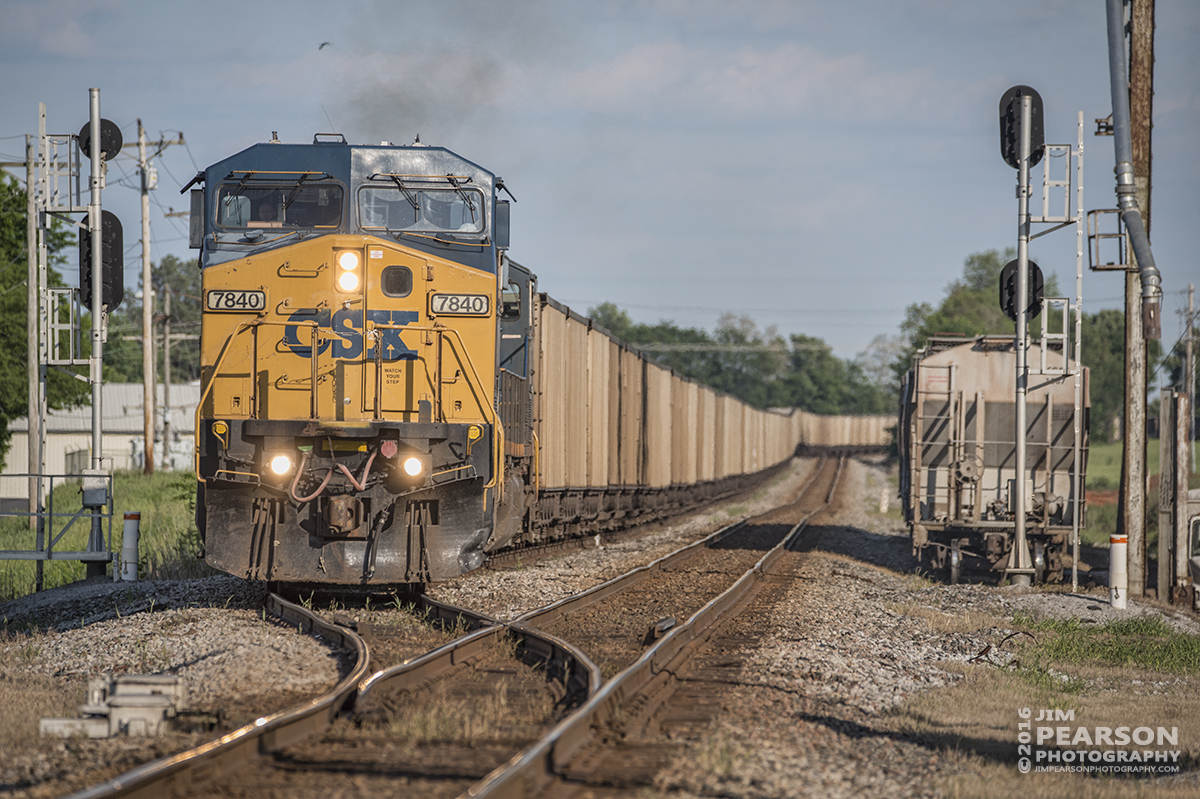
(33, 356)
(149, 182)
(1134, 483)
(166, 461)
(147, 313)
(1189, 378)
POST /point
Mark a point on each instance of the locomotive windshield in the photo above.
(276, 204)
(401, 207)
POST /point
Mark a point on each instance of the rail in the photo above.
(539, 765)
(579, 674)
(260, 737)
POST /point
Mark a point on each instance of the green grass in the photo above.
(1104, 464)
(169, 539)
(1144, 641)
(1104, 474)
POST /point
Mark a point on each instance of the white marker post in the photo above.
(1118, 573)
(129, 547)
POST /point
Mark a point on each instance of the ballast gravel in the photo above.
(850, 642)
(236, 664)
(509, 593)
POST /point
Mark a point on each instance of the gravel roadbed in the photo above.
(510, 593)
(852, 641)
(236, 666)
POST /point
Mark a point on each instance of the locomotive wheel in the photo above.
(955, 562)
(1039, 562)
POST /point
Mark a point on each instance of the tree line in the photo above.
(760, 367)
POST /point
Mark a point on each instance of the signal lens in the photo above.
(348, 260)
(347, 281)
(413, 466)
(281, 464)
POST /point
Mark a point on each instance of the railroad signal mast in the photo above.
(53, 177)
(1022, 146)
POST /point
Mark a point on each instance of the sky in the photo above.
(815, 166)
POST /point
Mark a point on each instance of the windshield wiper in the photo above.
(408, 195)
(463, 195)
(295, 192)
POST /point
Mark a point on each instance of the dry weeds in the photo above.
(27, 697)
(501, 698)
(975, 721)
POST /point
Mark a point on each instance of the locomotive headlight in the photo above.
(280, 464)
(347, 281)
(413, 466)
(347, 277)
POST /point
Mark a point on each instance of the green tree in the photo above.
(971, 307)
(758, 367)
(1104, 355)
(62, 390)
(820, 382)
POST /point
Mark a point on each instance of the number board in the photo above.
(460, 304)
(221, 300)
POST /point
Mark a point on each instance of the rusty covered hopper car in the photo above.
(958, 471)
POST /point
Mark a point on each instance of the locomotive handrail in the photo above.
(460, 352)
(464, 357)
(242, 327)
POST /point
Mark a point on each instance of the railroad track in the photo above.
(279, 746)
(492, 665)
(622, 736)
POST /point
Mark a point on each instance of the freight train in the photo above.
(958, 471)
(387, 398)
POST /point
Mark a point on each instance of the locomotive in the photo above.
(387, 398)
(958, 470)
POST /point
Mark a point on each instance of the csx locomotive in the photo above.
(387, 399)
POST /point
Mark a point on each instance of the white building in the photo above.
(68, 448)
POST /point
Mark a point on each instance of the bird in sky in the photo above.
(323, 45)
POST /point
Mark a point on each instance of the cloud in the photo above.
(773, 83)
(56, 27)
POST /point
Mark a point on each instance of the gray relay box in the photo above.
(95, 488)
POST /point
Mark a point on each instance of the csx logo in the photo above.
(348, 326)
